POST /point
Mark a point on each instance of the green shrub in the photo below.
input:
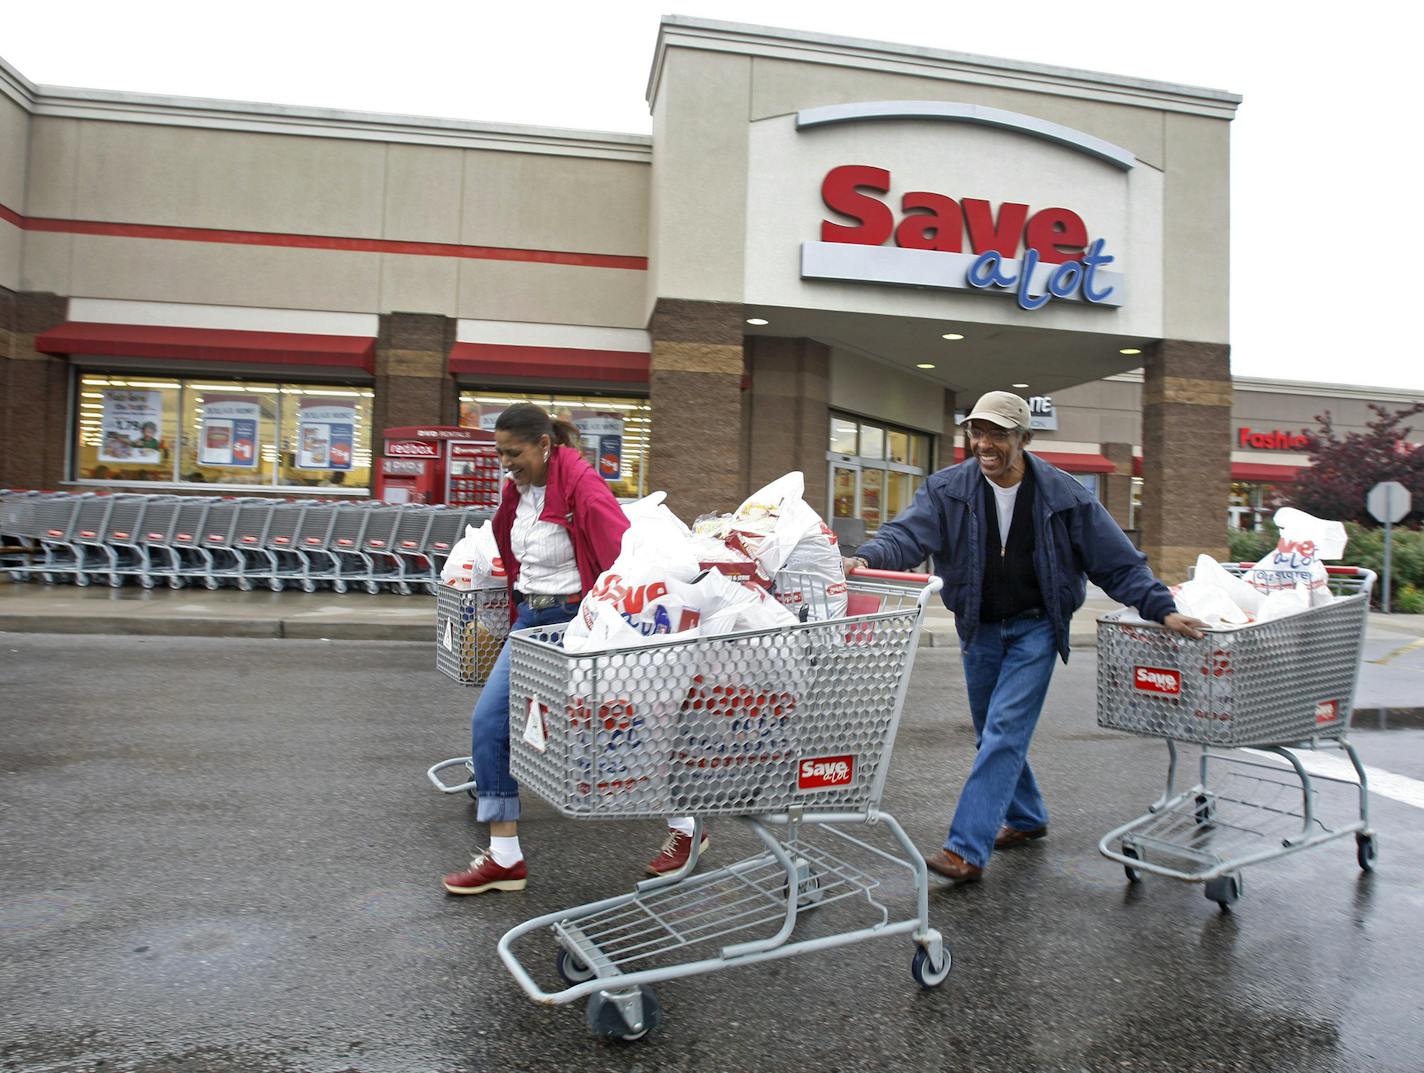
(1248, 546)
(1408, 600)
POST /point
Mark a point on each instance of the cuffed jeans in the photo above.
(1006, 670)
(497, 792)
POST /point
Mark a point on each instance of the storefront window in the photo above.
(615, 430)
(127, 428)
(236, 433)
(326, 435)
(229, 433)
(843, 436)
(875, 470)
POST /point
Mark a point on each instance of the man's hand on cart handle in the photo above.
(1185, 625)
(852, 563)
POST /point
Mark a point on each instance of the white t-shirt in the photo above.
(544, 550)
(1004, 500)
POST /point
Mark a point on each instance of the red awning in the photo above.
(549, 363)
(1066, 461)
(210, 344)
(1264, 471)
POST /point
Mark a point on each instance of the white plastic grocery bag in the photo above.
(474, 561)
(1305, 542)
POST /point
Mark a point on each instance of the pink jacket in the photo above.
(577, 498)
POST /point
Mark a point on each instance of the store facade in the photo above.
(825, 249)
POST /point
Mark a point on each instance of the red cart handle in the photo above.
(889, 575)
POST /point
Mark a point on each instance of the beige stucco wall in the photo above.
(14, 149)
(712, 99)
(178, 176)
(862, 386)
(699, 177)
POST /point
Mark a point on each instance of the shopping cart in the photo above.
(1248, 697)
(788, 729)
(470, 630)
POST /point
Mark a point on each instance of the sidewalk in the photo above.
(1392, 675)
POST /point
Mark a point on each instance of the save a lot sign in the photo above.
(956, 243)
(896, 228)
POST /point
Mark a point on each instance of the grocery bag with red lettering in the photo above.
(1299, 557)
(736, 731)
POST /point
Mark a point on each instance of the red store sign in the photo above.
(1275, 440)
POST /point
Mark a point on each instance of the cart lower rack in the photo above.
(790, 730)
(1251, 698)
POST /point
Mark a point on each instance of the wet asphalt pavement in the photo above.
(222, 855)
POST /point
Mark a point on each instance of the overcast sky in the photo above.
(1324, 144)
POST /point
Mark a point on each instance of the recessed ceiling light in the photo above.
(1129, 351)
(1020, 385)
(951, 336)
(758, 321)
(925, 365)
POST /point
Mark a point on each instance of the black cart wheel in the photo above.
(1366, 850)
(605, 1019)
(571, 969)
(1224, 891)
(926, 973)
(1134, 875)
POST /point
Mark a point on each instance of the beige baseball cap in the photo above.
(1002, 408)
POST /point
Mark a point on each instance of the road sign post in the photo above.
(1388, 502)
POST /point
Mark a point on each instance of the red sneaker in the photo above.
(484, 874)
(674, 853)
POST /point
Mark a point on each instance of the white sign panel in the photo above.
(228, 436)
(130, 426)
(325, 434)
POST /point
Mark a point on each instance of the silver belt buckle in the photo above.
(542, 601)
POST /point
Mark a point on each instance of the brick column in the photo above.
(412, 384)
(953, 435)
(34, 392)
(695, 387)
(788, 416)
(1117, 485)
(1186, 454)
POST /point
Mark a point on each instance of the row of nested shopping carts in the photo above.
(153, 540)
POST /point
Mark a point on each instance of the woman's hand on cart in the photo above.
(1185, 625)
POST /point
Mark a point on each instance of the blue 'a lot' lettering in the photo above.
(1069, 278)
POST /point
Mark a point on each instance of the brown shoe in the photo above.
(1009, 837)
(953, 867)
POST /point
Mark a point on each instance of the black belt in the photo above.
(539, 601)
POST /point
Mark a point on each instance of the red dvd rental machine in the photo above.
(438, 464)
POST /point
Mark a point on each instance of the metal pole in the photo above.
(1389, 510)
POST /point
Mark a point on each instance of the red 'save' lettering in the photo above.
(825, 772)
(1157, 680)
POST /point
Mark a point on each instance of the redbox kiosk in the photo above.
(439, 464)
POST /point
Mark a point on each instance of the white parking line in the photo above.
(1385, 783)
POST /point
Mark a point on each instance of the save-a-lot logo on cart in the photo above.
(1157, 680)
(825, 772)
(1326, 712)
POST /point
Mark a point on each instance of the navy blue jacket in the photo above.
(1077, 539)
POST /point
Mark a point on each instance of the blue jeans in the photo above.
(495, 787)
(1006, 671)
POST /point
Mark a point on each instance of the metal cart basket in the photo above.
(470, 630)
(1269, 688)
(790, 730)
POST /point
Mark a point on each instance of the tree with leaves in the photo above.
(1343, 469)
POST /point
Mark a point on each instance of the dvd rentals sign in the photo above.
(957, 240)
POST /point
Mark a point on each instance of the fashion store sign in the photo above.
(928, 239)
